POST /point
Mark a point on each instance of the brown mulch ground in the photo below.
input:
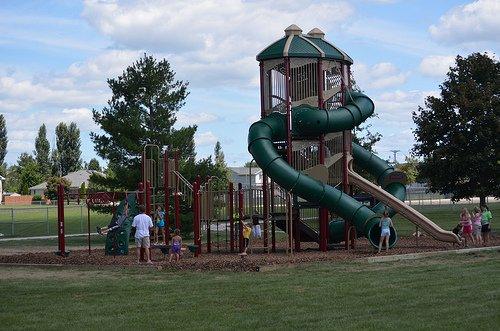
(232, 261)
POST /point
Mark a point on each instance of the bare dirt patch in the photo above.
(232, 261)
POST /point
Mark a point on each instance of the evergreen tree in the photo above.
(221, 169)
(219, 154)
(457, 133)
(67, 157)
(3, 139)
(142, 109)
(94, 165)
(55, 163)
(12, 179)
(42, 151)
(73, 151)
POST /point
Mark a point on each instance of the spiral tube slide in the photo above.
(311, 121)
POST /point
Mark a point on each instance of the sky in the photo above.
(55, 57)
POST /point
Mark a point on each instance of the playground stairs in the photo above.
(307, 234)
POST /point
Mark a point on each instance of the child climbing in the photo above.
(247, 230)
(466, 223)
(385, 231)
(486, 218)
(159, 225)
(115, 224)
(256, 230)
(176, 246)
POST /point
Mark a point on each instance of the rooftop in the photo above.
(75, 178)
(296, 44)
(245, 170)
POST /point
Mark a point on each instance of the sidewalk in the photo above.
(413, 256)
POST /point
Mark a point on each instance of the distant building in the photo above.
(75, 178)
(245, 177)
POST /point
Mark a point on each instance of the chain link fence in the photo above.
(34, 221)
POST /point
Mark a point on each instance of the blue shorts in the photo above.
(176, 248)
(385, 232)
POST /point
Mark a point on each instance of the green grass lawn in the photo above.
(446, 216)
(42, 220)
(451, 292)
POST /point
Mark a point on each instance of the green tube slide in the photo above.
(311, 121)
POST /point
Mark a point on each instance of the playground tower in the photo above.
(305, 69)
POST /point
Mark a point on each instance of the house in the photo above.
(75, 178)
(246, 176)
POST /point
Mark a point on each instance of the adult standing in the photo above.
(143, 225)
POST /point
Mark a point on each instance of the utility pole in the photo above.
(395, 153)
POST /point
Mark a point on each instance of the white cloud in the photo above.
(205, 138)
(378, 76)
(436, 65)
(394, 108)
(376, 33)
(383, 1)
(253, 118)
(473, 22)
(22, 128)
(107, 64)
(19, 146)
(395, 121)
(185, 118)
(19, 95)
(210, 42)
(81, 85)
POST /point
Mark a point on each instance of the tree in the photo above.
(456, 133)
(42, 152)
(94, 165)
(29, 176)
(55, 163)
(28, 173)
(12, 179)
(410, 168)
(67, 157)
(82, 191)
(222, 171)
(363, 136)
(3, 139)
(52, 184)
(142, 109)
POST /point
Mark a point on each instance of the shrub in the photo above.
(52, 184)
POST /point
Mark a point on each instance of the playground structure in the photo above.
(303, 144)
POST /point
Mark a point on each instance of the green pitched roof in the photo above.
(303, 46)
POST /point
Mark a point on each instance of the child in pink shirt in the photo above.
(466, 224)
(476, 225)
